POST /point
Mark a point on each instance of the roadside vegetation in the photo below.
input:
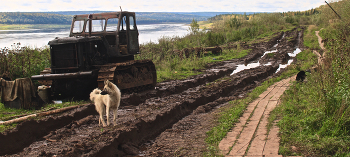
(22, 62)
(314, 116)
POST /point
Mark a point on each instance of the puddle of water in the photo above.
(267, 52)
(215, 70)
(281, 66)
(279, 40)
(296, 51)
(248, 66)
(254, 65)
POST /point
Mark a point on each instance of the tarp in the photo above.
(21, 88)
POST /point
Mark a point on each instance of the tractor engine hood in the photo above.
(68, 40)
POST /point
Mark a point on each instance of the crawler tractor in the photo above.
(100, 47)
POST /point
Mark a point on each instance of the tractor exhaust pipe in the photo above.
(90, 24)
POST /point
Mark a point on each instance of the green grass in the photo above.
(269, 34)
(266, 35)
(177, 68)
(271, 55)
(306, 60)
(289, 38)
(310, 121)
(310, 38)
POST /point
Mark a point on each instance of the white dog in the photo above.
(107, 99)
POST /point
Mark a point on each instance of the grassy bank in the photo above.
(315, 115)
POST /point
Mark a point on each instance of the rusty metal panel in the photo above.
(134, 42)
(64, 56)
(128, 74)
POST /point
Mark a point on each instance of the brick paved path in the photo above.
(249, 136)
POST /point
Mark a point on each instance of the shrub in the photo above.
(19, 62)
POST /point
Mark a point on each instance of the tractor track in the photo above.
(143, 116)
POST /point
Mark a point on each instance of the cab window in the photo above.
(112, 24)
(123, 26)
(132, 23)
(97, 25)
(78, 26)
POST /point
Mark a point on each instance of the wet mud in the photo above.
(169, 120)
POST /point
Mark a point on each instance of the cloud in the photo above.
(26, 5)
(161, 5)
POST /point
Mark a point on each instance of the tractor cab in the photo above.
(118, 29)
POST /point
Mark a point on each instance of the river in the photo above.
(40, 37)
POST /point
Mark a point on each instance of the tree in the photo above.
(234, 22)
(194, 26)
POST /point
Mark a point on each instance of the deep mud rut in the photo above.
(171, 120)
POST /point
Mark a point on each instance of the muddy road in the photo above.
(170, 120)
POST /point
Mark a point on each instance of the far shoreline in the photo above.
(47, 26)
(30, 26)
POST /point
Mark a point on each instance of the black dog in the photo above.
(301, 76)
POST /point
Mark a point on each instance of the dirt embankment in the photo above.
(171, 119)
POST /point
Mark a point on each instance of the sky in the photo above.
(160, 5)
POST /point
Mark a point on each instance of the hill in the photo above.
(33, 18)
(65, 17)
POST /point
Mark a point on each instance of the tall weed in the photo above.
(19, 62)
